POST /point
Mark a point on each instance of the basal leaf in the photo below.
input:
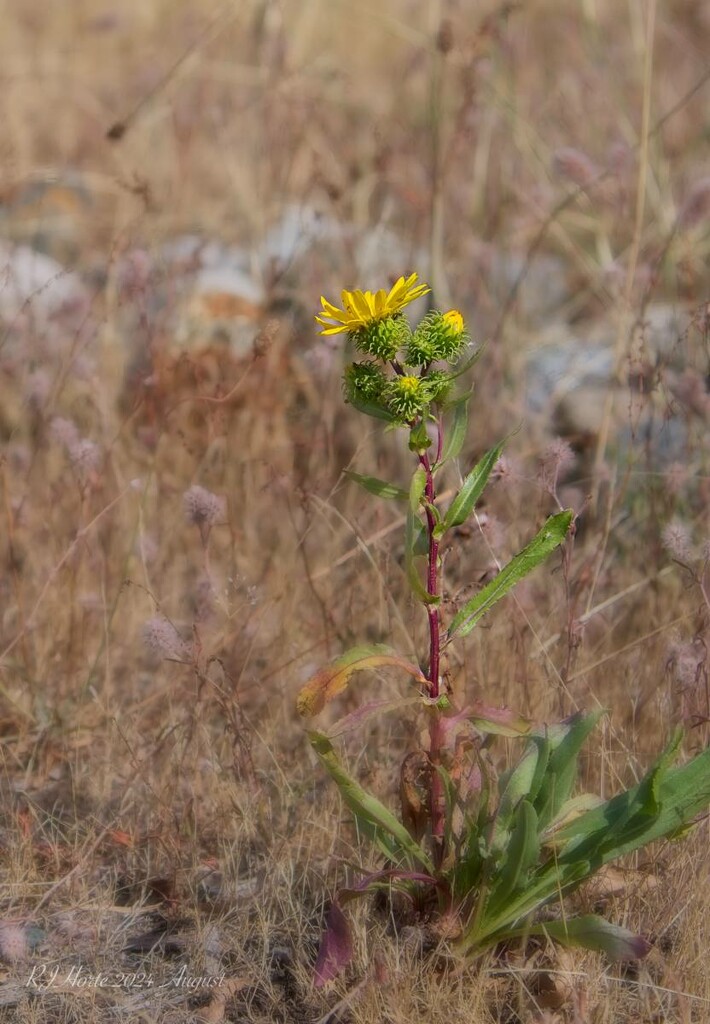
(650, 790)
(515, 787)
(571, 810)
(381, 488)
(544, 748)
(374, 819)
(521, 854)
(550, 536)
(593, 932)
(336, 947)
(562, 764)
(551, 881)
(333, 678)
(621, 825)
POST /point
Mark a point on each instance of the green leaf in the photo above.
(561, 773)
(550, 536)
(419, 439)
(515, 787)
(550, 882)
(569, 811)
(463, 504)
(371, 409)
(417, 488)
(522, 853)
(543, 749)
(593, 932)
(623, 824)
(375, 820)
(471, 361)
(456, 435)
(332, 679)
(650, 789)
(411, 536)
(379, 487)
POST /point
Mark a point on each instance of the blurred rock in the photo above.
(295, 233)
(660, 334)
(37, 288)
(48, 212)
(544, 290)
(570, 382)
(562, 362)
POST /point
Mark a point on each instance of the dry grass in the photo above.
(160, 809)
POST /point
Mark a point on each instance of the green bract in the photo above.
(382, 338)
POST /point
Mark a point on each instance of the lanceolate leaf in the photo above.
(416, 488)
(381, 488)
(550, 536)
(471, 361)
(514, 789)
(497, 721)
(371, 409)
(620, 825)
(373, 818)
(593, 932)
(334, 678)
(521, 854)
(465, 501)
(410, 541)
(561, 772)
(369, 710)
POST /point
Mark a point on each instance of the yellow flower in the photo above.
(363, 308)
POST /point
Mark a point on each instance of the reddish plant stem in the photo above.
(436, 789)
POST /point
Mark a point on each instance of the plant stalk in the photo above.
(436, 788)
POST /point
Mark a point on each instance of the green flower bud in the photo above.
(436, 384)
(438, 336)
(383, 338)
(365, 381)
(405, 397)
(420, 351)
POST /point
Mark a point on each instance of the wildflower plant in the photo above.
(493, 855)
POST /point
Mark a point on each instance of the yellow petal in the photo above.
(329, 308)
(395, 290)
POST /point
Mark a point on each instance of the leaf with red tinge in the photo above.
(500, 721)
(336, 947)
(333, 679)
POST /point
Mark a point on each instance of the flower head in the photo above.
(364, 382)
(406, 397)
(360, 309)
